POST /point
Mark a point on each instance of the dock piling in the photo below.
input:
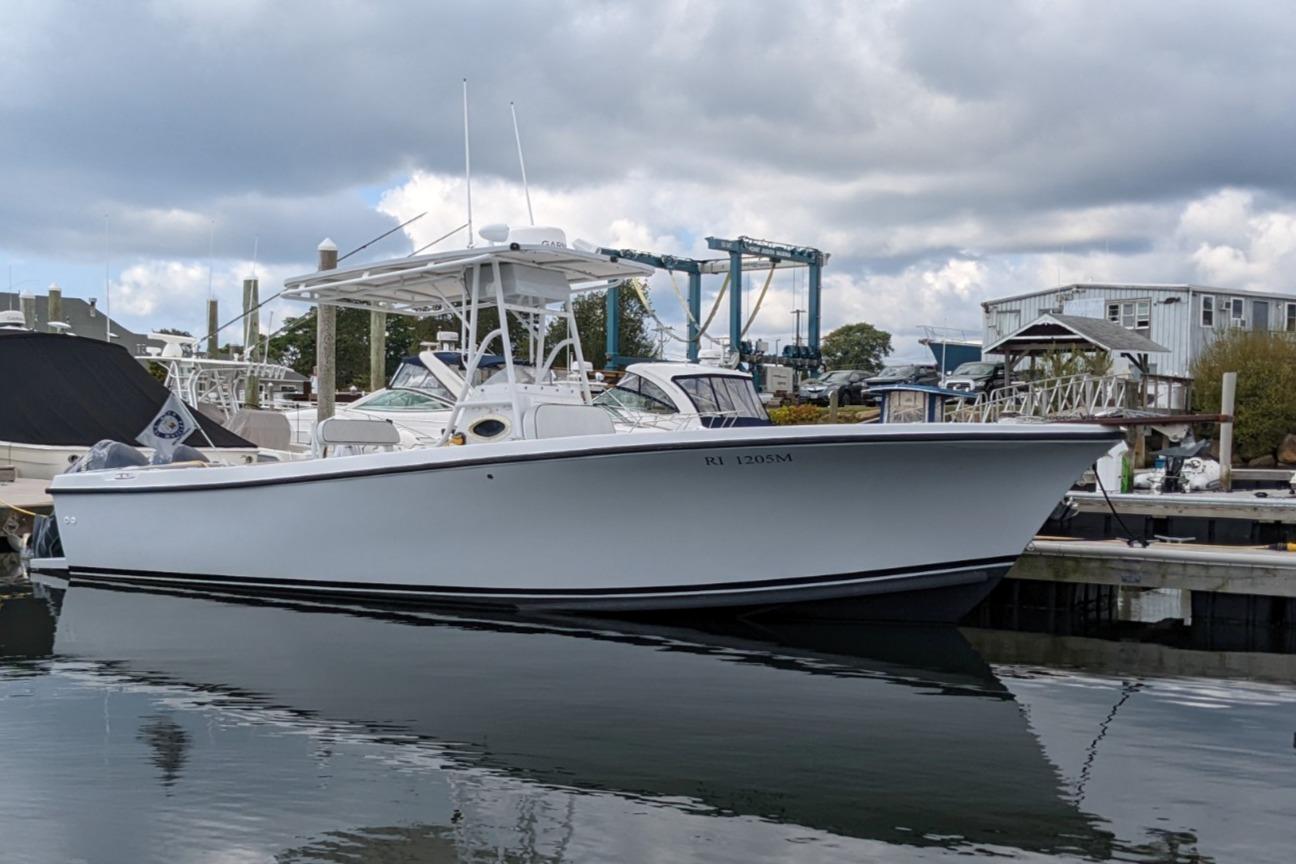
(213, 327)
(1228, 392)
(326, 341)
(251, 336)
(54, 311)
(377, 351)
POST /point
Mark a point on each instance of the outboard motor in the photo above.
(106, 455)
(182, 453)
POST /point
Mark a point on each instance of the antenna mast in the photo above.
(467, 163)
(517, 136)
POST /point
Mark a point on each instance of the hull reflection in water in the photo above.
(817, 727)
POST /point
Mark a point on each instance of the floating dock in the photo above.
(1276, 506)
(1187, 566)
(20, 501)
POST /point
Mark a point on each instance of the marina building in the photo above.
(1183, 318)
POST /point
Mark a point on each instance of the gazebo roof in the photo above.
(1049, 332)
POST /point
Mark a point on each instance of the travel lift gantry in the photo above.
(745, 253)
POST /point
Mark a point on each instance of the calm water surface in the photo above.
(145, 727)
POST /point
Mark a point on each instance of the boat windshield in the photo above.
(976, 370)
(393, 399)
(414, 376)
(636, 393)
(723, 394)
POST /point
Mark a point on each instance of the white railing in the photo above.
(1075, 396)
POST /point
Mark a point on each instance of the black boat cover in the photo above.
(71, 391)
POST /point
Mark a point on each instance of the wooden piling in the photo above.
(54, 309)
(213, 324)
(326, 342)
(27, 302)
(251, 338)
(1228, 391)
(377, 350)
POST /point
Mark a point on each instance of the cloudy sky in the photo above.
(943, 152)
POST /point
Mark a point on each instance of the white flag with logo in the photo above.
(172, 425)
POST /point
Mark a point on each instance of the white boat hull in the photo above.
(696, 519)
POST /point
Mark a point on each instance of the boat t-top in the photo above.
(529, 498)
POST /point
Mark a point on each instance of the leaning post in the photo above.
(1228, 392)
(326, 341)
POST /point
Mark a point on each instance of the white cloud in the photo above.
(155, 293)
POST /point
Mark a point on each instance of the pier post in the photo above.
(54, 309)
(613, 326)
(326, 342)
(213, 323)
(377, 351)
(1228, 391)
(27, 302)
(251, 337)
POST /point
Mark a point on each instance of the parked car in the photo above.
(906, 373)
(977, 376)
(848, 383)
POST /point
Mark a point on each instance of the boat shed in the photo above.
(1076, 334)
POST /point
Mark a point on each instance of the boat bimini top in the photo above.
(530, 273)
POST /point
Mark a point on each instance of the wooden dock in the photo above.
(1278, 506)
(21, 495)
(1190, 566)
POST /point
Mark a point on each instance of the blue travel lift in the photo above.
(803, 356)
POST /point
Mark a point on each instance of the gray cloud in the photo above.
(911, 131)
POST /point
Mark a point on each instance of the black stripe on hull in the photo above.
(772, 592)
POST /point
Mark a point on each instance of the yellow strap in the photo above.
(17, 509)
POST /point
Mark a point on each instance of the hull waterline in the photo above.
(720, 518)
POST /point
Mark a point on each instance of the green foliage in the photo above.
(807, 415)
(1265, 409)
(591, 323)
(856, 346)
(294, 344)
(794, 415)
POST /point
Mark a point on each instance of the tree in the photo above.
(591, 324)
(856, 346)
(294, 344)
(1265, 406)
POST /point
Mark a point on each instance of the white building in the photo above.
(1183, 318)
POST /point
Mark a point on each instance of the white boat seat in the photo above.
(564, 421)
(354, 435)
(263, 428)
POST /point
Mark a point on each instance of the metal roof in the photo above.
(1175, 287)
(1073, 331)
(432, 284)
